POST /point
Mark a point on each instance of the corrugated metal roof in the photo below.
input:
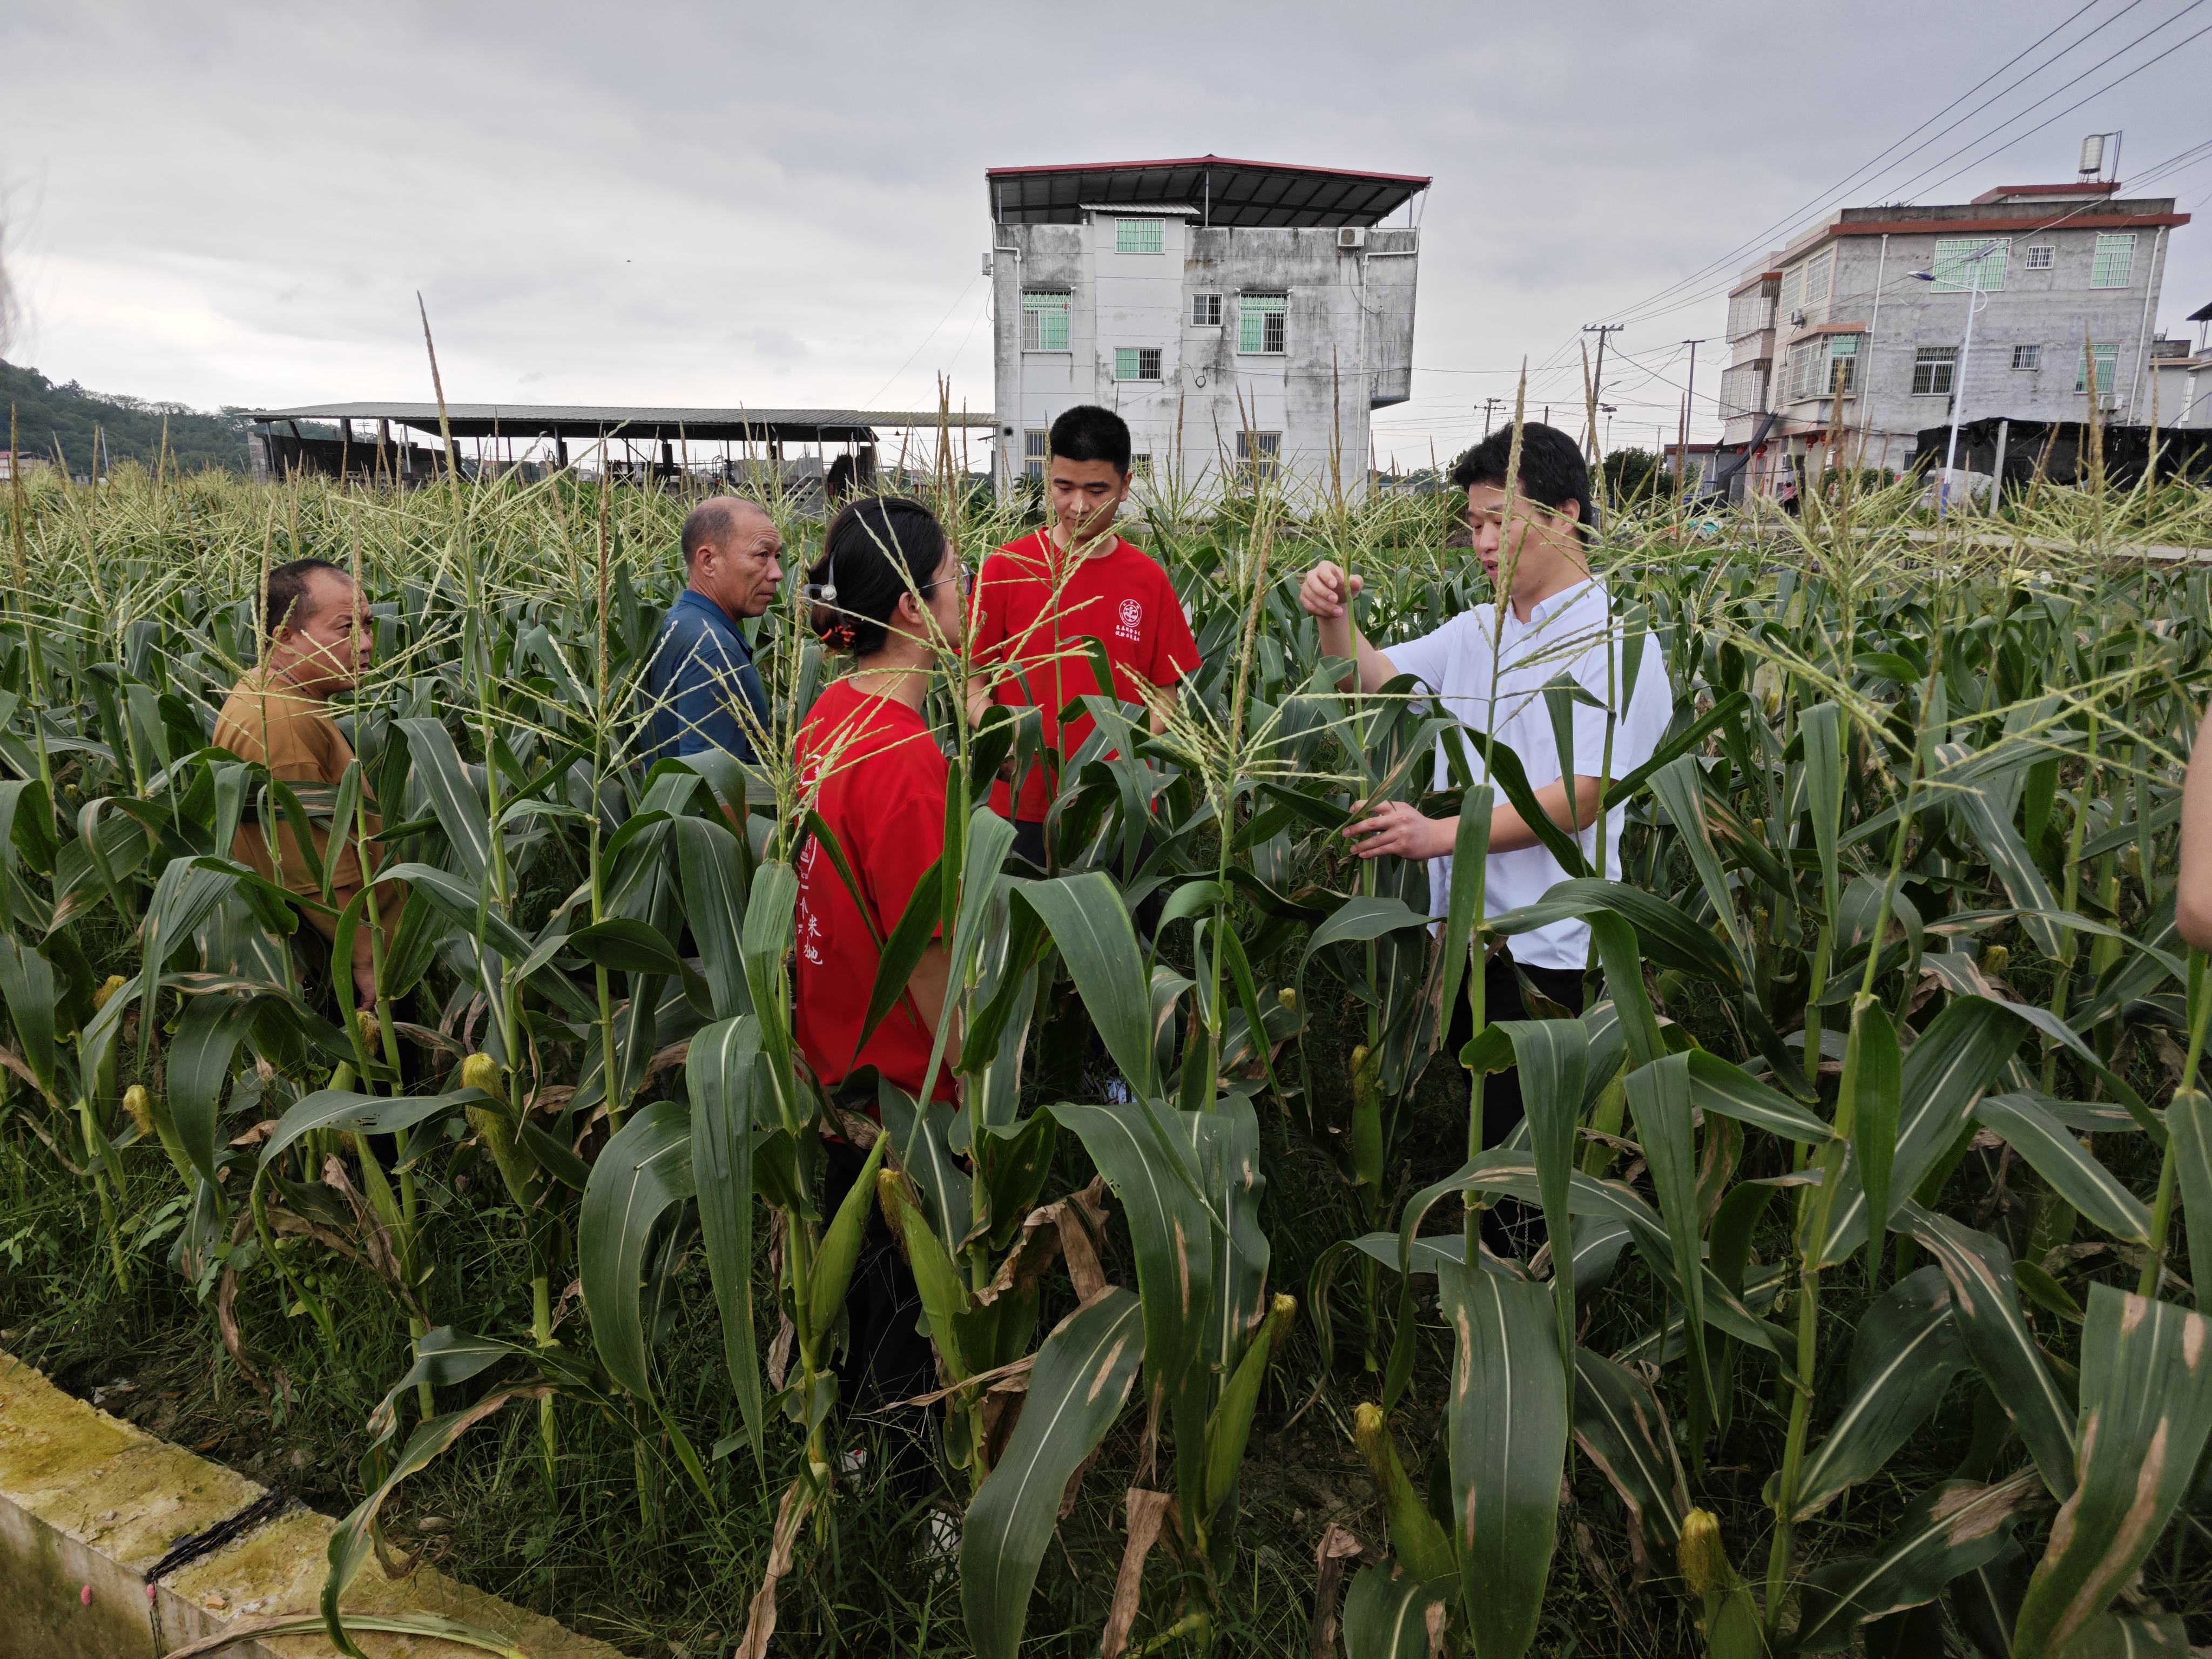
(637, 423)
(1226, 191)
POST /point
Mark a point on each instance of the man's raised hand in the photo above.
(1326, 590)
(1394, 826)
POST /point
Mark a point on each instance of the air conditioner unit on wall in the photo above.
(1351, 236)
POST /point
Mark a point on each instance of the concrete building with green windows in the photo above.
(1241, 317)
(2064, 282)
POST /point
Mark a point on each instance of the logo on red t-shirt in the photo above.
(1131, 619)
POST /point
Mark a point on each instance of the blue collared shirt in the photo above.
(700, 667)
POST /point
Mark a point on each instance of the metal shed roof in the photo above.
(1225, 190)
(637, 423)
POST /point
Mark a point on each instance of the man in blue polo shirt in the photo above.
(701, 690)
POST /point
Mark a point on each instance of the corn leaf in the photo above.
(1089, 925)
(1552, 1055)
(1082, 1376)
(719, 1073)
(2146, 1412)
(1171, 1235)
(1717, 1086)
(1388, 1610)
(1941, 1077)
(1907, 1350)
(350, 1542)
(642, 1174)
(1679, 788)
(1953, 1527)
(2109, 1636)
(199, 1059)
(2052, 1151)
(1978, 1269)
(1506, 1420)
(454, 795)
(1622, 1428)
(359, 1114)
(1993, 832)
(2189, 1121)
(1659, 1098)
(1873, 1072)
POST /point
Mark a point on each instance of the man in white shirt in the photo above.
(1488, 667)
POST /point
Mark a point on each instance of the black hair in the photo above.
(1088, 433)
(285, 602)
(841, 478)
(1552, 470)
(715, 516)
(877, 550)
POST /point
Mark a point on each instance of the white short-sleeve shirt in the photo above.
(1573, 632)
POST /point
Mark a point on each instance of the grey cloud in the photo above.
(585, 195)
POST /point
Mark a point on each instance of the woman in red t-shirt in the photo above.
(888, 591)
(877, 779)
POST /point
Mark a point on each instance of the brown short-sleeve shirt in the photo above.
(297, 740)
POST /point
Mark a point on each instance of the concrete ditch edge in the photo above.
(90, 1502)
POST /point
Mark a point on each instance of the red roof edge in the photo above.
(2018, 225)
(1207, 161)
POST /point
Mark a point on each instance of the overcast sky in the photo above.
(715, 205)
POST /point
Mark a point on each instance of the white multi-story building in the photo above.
(1235, 314)
(2067, 280)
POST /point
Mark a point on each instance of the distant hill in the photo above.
(128, 427)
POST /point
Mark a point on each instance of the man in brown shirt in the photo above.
(317, 643)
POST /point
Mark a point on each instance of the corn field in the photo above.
(1870, 1317)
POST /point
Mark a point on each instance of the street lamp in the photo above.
(1974, 302)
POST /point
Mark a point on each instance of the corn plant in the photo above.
(1889, 1097)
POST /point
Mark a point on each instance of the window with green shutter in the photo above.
(1260, 320)
(2115, 263)
(1044, 322)
(1136, 362)
(2108, 369)
(1955, 265)
(1138, 236)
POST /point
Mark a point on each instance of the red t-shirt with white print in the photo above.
(1031, 615)
(882, 783)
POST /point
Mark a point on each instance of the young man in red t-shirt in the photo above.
(1040, 598)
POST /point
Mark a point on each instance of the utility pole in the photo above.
(1597, 384)
(1682, 455)
(1488, 404)
(1965, 352)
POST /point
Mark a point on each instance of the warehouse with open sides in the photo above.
(400, 443)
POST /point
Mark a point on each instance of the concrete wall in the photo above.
(88, 1503)
(1349, 333)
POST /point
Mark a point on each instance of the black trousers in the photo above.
(885, 1357)
(1508, 1227)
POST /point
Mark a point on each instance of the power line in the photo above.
(1640, 313)
(1845, 183)
(2071, 108)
